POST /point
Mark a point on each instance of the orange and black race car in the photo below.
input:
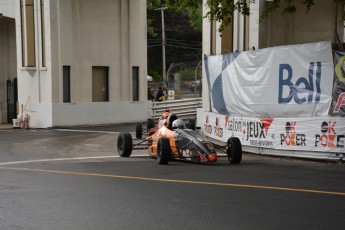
(173, 140)
(154, 124)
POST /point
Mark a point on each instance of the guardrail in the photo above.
(184, 108)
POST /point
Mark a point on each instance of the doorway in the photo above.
(12, 99)
(100, 84)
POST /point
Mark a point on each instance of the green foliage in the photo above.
(196, 18)
(286, 6)
(150, 30)
(187, 72)
(151, 5)
(223, 10)
(155, 75)
(183, 35)
(192, 7)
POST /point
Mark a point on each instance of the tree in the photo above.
(183, 35)
(192, 8)
(223, 10)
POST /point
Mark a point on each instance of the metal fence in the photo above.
(184, 79)
(185, 108)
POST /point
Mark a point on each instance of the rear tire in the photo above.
(192, 124)
(234, 150)
(138, 131)
(124, 144)
(150, 124)
(163, 151)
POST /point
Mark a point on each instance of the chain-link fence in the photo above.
(184, 80)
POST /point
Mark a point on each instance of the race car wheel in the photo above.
(138, 131)
(124, 144)
(192, 124)
(163, 151)
(234, 150)
(150, 124)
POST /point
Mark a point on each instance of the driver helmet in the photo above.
(166, 114)
(178, 124)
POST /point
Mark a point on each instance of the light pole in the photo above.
(163, 42)
(195, 77)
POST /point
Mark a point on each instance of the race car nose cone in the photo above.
(212, 157)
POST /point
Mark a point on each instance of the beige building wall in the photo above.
(99, 33)
(320, 24)
(83, 34)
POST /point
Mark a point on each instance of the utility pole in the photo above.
(163, 41)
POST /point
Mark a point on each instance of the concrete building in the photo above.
(76, 62)
(322, 23)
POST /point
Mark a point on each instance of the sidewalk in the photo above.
(6, 126)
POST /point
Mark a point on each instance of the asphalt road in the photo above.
(73, 179)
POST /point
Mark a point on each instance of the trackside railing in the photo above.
(184, 108)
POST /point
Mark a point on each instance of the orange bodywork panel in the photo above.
(162, 132)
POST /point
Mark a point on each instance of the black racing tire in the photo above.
(150, 124)
(124, 144)
(163, 151)
(234, 150)
(138, 130)
(192, 124)
(187, 125)
(171, 119)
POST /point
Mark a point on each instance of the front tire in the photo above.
(124, 144)
(163, 151)
(234, 150)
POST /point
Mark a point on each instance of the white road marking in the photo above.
(85, 131)
(92, 145)
(65, 159)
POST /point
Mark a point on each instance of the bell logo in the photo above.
(302, 86)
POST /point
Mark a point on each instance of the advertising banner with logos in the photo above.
(338, 106)
(320, 134)
(286, 81)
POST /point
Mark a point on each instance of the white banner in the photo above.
(287, 81)
(323, 134)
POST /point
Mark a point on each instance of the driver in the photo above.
(166, 114)
(163, 120)
(178, 124)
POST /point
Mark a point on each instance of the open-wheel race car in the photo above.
(153, 124)
(173, 140)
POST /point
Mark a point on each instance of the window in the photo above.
(66, 84)
(43, 38)
(100, 83)
(135, 83)
(28, 33)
